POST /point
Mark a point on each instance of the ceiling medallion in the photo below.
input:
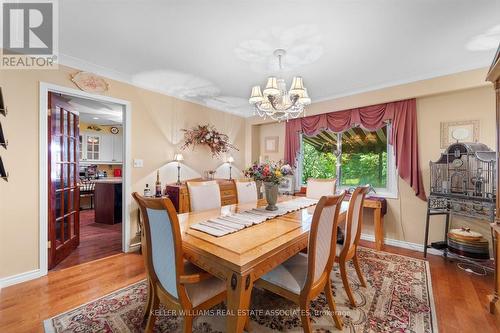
(276, 102)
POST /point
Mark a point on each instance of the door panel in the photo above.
(63, 192)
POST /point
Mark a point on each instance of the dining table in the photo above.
(242, 257)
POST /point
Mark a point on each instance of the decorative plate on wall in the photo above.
(90, 82)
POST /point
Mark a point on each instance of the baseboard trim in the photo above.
(134, 247)
(401, 244)
(18, 278)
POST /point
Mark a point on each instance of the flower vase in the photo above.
(258, 183)
(271, 195)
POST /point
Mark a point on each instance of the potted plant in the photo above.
(271, 175)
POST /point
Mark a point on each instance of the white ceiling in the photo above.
(213, 52)
(95, 112)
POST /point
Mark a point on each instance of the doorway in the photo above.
(87, 182)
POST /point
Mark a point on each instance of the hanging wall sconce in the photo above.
(3, 108)
(3, 141)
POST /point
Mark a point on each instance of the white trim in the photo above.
(401, 244)
(84, 65)
(18, 278)
(45, 88)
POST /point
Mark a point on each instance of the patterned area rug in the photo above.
(398, 299)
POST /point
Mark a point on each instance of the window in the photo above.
(93, 144)
(355, 157)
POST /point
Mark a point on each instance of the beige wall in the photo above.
(272, 130)
(156, 123)
(405, 219)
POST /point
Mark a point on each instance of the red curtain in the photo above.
(402, 114)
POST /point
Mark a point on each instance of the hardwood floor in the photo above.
(460, 298)
(97, 240)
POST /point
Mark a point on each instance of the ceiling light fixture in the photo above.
(275, 101)
(95, 118)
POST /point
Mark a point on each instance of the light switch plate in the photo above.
(138, 163)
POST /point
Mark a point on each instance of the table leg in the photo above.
(378, 222)
(239, 291)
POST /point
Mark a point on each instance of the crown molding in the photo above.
(112, 74)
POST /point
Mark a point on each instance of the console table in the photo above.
(379, 207)
(179, 194)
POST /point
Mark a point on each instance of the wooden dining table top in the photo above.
(243, 250)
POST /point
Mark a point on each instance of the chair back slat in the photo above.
(204, 195)
(162, 250)
(322, 237)
(354, 218)
(246, 191)
(87, 186)
(316, 188)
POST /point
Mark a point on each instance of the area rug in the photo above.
(398, 298)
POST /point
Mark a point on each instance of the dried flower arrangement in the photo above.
(209, 136)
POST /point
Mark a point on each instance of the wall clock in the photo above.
(114, 130)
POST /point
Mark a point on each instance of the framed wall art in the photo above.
(271, 144)
(459, 131)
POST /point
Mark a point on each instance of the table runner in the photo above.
(233, 222)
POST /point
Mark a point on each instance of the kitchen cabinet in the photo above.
(117, 148)
(101, 148)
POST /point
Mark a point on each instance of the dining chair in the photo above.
(87, 190)
(246, 190)
(316, 187)
(204, 195)
(302, 277)
(347, 251)
(172, 280)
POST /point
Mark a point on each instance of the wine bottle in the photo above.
(147, 191)
(158, 185)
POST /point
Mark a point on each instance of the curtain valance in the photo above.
(402, 114)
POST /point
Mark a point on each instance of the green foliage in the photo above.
(364, 168)
(317, 164)
(357, 168)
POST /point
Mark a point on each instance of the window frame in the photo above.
(390, 191)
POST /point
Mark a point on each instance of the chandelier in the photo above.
(275, 101)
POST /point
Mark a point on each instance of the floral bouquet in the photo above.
(209, 136)
(269, 172)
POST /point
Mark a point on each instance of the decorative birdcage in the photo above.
(463, 181)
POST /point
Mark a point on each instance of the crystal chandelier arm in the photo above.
(273, 101)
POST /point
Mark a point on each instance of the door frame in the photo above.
(45, 88)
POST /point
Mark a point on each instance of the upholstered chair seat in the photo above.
(205, 290)
(316, 188)
(246, 191)
(290, 275)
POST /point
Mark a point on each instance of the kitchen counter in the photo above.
(109, 180)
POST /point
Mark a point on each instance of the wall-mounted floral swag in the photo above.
(207, 135)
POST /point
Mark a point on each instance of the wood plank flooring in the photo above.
(460, 298)
(97, 240)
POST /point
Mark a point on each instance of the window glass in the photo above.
(362, 157)
(319, 160)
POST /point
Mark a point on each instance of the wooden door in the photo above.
(63, 190)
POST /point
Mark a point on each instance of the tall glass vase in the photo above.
(271, 195)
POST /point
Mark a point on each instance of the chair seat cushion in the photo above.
(291, 275)
(202, 291)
